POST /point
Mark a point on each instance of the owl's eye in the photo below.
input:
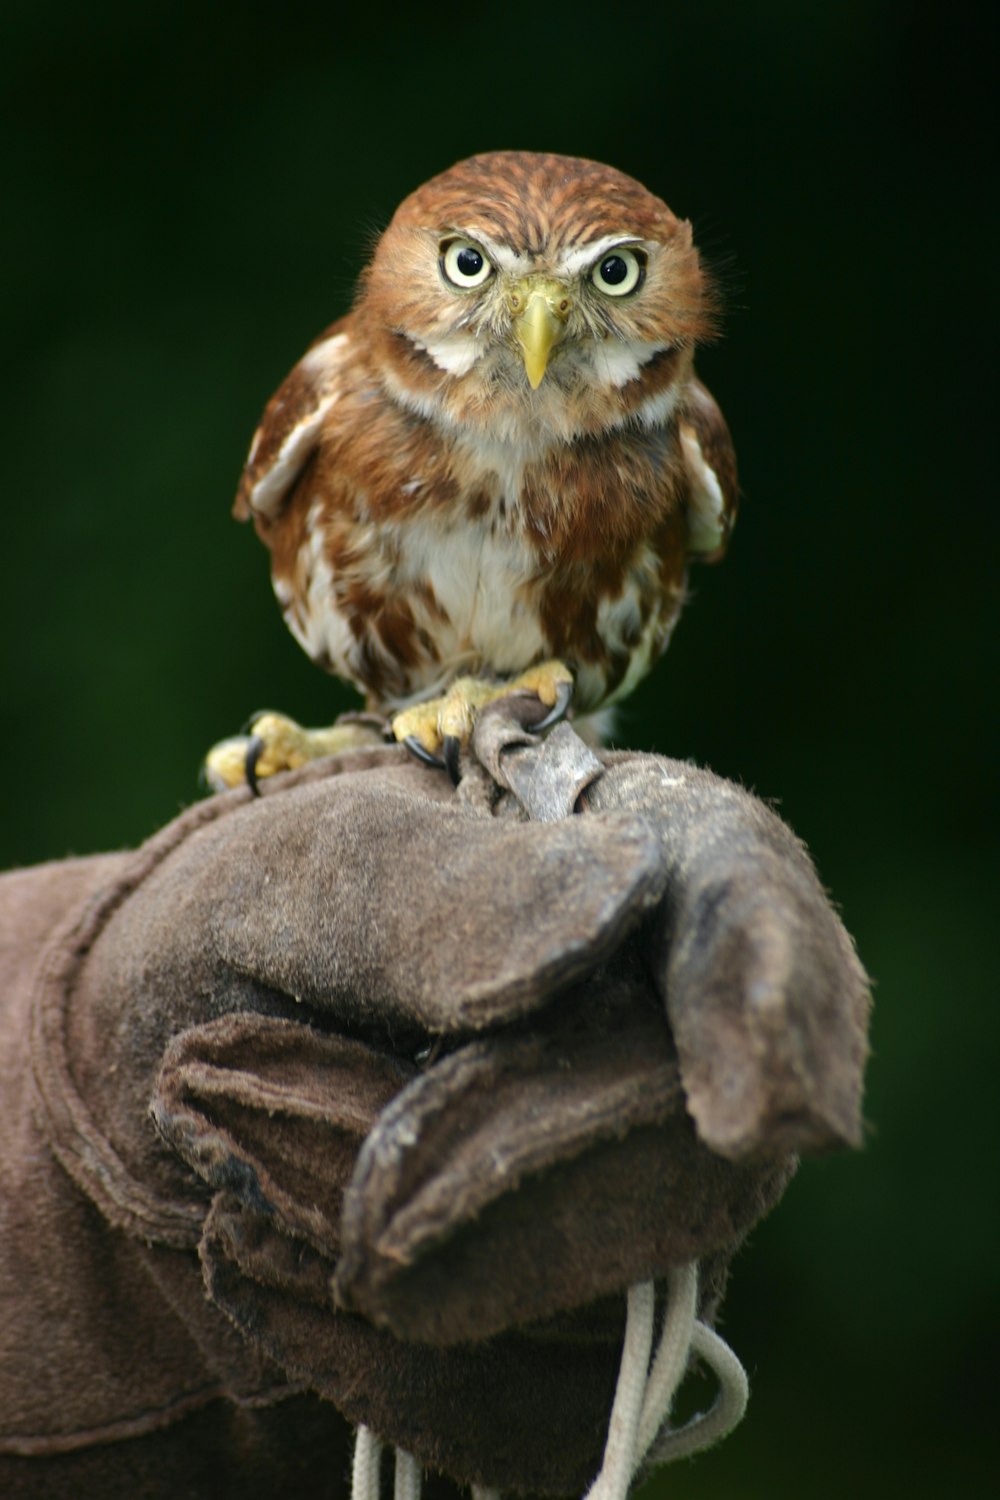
(619, 273)
(464, 264)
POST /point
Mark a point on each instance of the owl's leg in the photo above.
(436, 730)
(276, 743)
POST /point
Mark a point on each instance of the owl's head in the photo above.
(518, 285)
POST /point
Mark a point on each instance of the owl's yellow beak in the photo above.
(540, 307)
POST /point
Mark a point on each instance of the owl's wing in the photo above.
(710, 462)
(290, 427)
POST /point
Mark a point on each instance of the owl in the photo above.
(493, 472)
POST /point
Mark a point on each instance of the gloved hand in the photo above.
(432, 1085)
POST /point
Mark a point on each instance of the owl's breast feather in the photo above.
(471, 588)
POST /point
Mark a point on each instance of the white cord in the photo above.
(629, 1442)
(623, 1427)
(726, 1411)
(365, 1470)
(409, 1477)
(643, 1398)
(671, 1359)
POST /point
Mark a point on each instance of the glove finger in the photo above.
(766, 998)
(533, 1173)
(395, 911)
(275, 1112)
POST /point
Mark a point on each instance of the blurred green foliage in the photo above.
(189, 192)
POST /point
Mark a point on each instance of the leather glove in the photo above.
(434, 1083)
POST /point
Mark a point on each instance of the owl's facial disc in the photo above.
(539, 307)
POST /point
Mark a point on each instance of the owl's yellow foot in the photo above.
(436, 730)
(275, 743)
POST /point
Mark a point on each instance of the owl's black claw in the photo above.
(255, 749)
(421, 752)
(452, 750)
(564, 693)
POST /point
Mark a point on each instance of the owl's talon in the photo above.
(421, 752)
(255, 749)
(275, 743)
(564, 695)
(452, 749)
(436, 730)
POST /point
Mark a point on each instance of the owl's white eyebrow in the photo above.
(575, 260)
(505, 258)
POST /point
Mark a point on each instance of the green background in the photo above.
(188, 194)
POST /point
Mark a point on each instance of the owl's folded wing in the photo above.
(289, 430)
(713, 490)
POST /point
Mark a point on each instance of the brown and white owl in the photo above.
(500, 461)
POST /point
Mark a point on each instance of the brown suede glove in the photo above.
(432, 1085)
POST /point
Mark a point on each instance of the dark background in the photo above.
(188, 194)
